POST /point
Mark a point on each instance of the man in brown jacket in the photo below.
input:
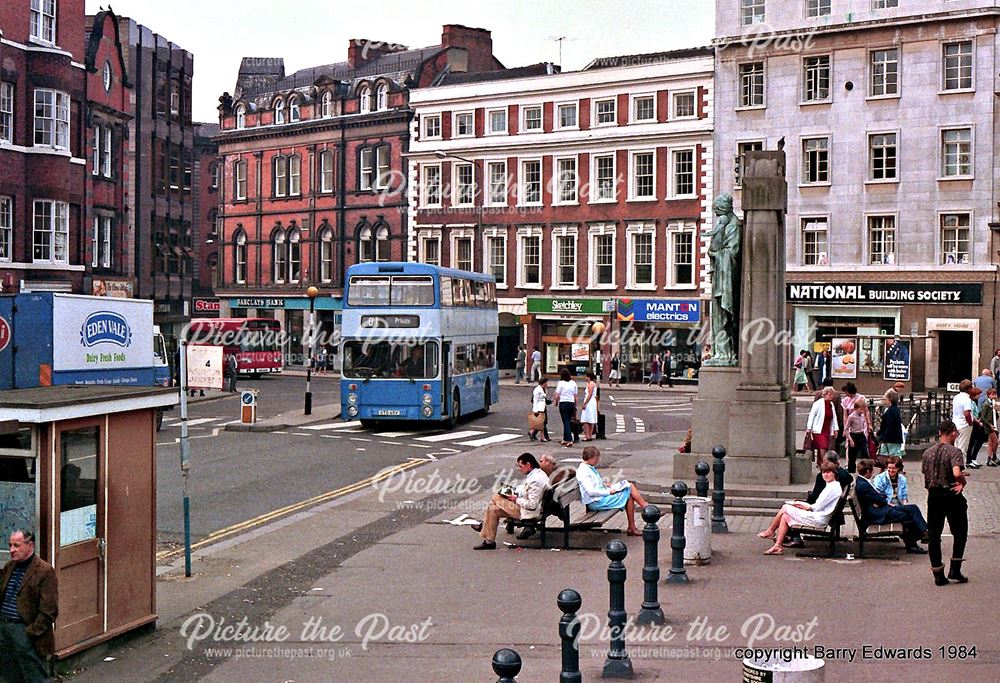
(29, 603)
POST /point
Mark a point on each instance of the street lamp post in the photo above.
(477, 206)
(312, 293)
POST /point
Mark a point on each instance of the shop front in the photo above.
(563, 330)
(926, 335)
(293, 314)
(651, 327)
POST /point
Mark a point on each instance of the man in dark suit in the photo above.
(875, 509)
(844, 478)
(30, 603)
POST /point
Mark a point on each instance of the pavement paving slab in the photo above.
(403, 596)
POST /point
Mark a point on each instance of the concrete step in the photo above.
(731, 491)
(763, 504)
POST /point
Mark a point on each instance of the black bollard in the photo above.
(677, 541)
(719, 525)
(569, 632)
(506, 665)
(701, 479)
(617, 664)
(650, 613)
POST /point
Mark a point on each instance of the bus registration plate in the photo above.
(389, 413)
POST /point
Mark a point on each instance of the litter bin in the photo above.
(777, 670)
(697, 531)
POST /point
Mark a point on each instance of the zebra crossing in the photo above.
(441, 440)
(667, 404)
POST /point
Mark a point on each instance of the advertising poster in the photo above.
(845, 358)
(897, 361)
(580, 353)
(204, 367)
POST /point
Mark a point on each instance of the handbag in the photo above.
(536, 421)
(807, 443)
(872, 445)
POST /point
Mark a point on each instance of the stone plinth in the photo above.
(755, 423)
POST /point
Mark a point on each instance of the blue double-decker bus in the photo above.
(418, 342)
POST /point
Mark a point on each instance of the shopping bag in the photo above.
(536, 421)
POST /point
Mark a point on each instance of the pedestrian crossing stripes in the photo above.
(486, 441)
(640, 426)
(352, 424)
(450, 436)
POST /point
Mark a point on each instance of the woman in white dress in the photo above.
(588, 416)
(799, 512)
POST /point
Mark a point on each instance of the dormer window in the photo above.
(279, 111)
(382, 98)
(326, 105)
(293, 109)
(365, 97)
(241, 117)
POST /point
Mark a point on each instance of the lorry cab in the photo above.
(161, 366)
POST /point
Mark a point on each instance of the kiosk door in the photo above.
(79, 521)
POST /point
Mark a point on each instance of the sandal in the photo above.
(774, 550)
(630, 532)
(764, 534)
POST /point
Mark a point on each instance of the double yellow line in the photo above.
(228, 531)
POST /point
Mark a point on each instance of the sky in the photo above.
(312, 32)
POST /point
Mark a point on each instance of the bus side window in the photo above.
(447, 298)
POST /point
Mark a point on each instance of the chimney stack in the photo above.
(360, 51)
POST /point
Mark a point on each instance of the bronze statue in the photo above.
(724, 252)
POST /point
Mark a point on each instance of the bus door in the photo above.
(445, 377)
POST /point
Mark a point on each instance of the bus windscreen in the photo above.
(381, 360)
(397, 290)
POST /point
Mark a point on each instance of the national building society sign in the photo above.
(886, 293)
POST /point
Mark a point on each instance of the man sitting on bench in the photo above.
(596, 493)
(525, 506)
(875, 509)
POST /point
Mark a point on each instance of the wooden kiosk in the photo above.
(78, 467)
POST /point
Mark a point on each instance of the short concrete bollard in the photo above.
(506, 665)
(617, 664)
(650, 612)
(701, 479)
(569, 633)
(719, 525)
(678, 507)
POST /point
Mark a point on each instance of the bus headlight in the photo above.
(352, 399)
(352, 411)
(427, 411)
(428, 399)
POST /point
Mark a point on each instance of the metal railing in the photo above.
(921, 416)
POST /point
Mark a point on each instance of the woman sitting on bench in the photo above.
(799, 512)
(597, 495)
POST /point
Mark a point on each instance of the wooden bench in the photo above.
(872, 531)
(556, 502)
(831, 531)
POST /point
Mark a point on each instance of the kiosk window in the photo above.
(78, 485)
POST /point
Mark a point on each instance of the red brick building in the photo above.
(584, 194)
(110, 252)
(313, 172)
(43, 146)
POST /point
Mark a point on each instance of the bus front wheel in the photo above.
(456, 410)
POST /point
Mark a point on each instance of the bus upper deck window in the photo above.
(412, 290)
(369, 290)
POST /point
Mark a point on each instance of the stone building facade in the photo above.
(889, 118)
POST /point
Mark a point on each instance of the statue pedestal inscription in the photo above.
(743, 401)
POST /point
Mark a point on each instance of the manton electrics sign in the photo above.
(886, 293)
